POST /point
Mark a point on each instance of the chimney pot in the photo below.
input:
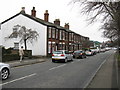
(46, 16)
(67, 25)
(23, 10)
(33, 12)
(57, 22)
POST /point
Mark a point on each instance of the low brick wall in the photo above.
(14, 55)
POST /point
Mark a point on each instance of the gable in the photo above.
(10, 18)
(26, 15)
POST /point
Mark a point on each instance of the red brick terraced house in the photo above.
(52, 36)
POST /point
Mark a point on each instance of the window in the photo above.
(16, 45)
(63, 47)
(49, 47)
(49, 32)
(56, 33)
(74, 38)
(66, 36)
(60, 34)
(53, 32)
(67, 52)
(57, 52)
(63, 35)
(66, 47)
(70, 36)
(60, 46)
(14, 34)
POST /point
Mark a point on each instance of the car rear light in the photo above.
(62, 55)
(53, 55)
(80, 53)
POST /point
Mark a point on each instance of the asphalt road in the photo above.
(74, 74)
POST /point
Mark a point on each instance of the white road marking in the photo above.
(57, 67)
(77, 60)
(18, 79)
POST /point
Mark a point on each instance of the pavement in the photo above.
(106, 77)
(17, 63)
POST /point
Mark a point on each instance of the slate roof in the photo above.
(41, 22)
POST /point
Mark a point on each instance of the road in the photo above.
(74, 74)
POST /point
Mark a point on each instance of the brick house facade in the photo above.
(55, 37)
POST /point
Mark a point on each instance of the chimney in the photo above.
(33, 12)
(46, 16)
(23, 10)
(66, 25)
(57, 22)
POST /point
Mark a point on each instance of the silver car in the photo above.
(61, 55)
(4, 71)
(89, 52)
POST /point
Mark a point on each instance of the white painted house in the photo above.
(38, 47)
(52, 36)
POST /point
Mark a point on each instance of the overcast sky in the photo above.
(58, 9)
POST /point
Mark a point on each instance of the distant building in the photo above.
(95, 44)
(52, 36)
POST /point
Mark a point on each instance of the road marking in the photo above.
(72, 62)
(77, 60)
(57, 67)
(18, 79)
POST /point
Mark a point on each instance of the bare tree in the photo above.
(25, 35)
(110, 30)
(106, 11)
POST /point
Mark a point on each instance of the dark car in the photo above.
(79, 54)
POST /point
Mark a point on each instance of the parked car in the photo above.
(4, 71)
(94, 51)
(79, 54)
(61, 55)
(102, 50)
(89, 52)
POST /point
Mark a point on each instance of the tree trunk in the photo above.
(25, 44)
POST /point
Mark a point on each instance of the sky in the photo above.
(58, 9)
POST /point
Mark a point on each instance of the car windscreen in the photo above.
(57, 52)
(67, 52)
(78, 52)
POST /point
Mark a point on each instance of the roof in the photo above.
(38, 20)
(41, 22)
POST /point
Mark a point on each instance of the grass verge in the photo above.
(118, 58)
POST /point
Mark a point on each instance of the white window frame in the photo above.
(16, 45)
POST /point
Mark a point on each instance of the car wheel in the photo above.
(65, 60)
(73, 56)
(53, 60)
(82, 57)
(5, 73)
